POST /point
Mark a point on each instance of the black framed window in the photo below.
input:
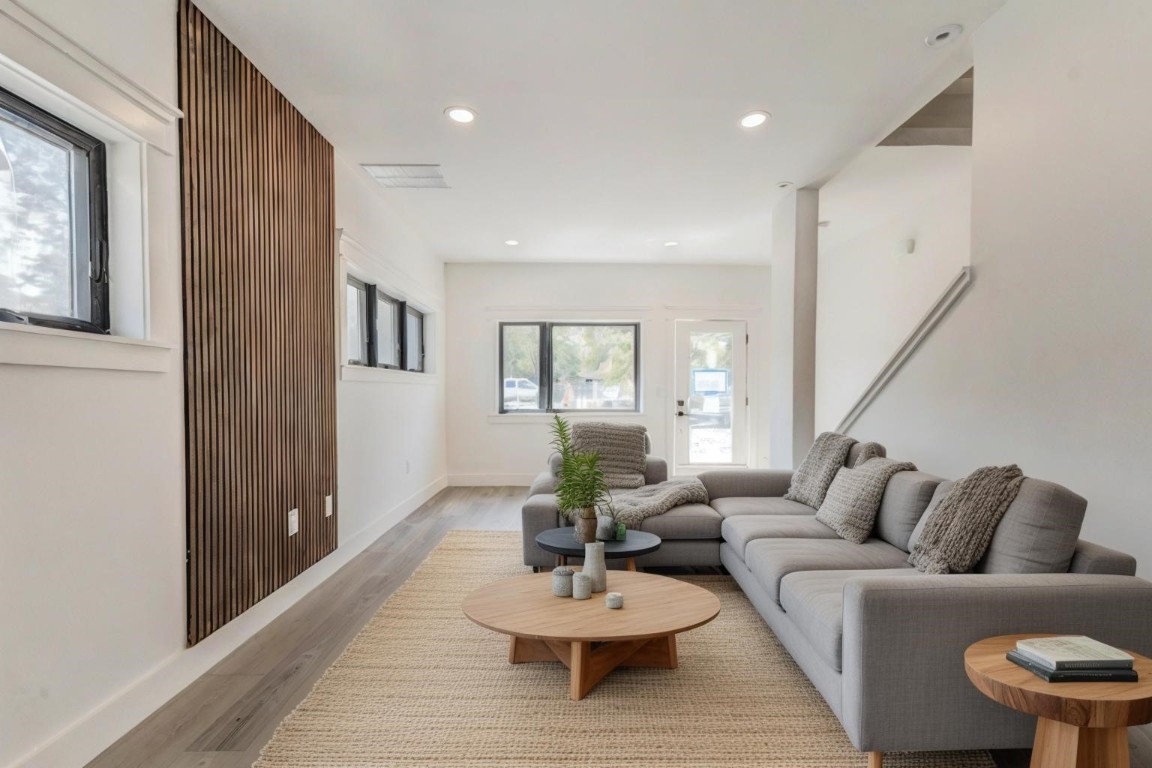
(413, 339)
(389, 324)
(382, 331)
(53, 221)
(569, 366)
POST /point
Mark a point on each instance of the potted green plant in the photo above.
(581, 487)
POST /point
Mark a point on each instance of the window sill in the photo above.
(29, 345)
(546, 418)
(385, 375)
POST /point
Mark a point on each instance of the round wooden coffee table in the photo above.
(562, 543)
(1080, 724)
(548, 628)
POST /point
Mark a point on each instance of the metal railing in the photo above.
(905, 351)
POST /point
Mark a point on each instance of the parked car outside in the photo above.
(520, 393)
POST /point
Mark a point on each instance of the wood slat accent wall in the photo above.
(260, 360)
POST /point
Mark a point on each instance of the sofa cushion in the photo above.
(940, 492)
(687, 521)
(741, 529)
(906, 497)
(857, 449)
(814, 601)
(759, 505)
(770, 560)
(1038, 532)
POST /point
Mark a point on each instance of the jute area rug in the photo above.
(423, 686)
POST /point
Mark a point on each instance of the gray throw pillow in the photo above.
(854, 497)
(811, 480)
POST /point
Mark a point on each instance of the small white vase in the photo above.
(605, 528)
(594, 566)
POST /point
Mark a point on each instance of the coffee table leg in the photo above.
(561, 560)
(630, 564)
(1060, 745)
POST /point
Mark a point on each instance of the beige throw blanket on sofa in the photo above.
(635, 506)
(959, 530)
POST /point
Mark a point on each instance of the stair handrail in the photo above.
(904, 352)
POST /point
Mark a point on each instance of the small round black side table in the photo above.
(562, 542)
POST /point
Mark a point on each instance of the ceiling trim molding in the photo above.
(51, 59)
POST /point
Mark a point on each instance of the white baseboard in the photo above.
(489, 480)
(92, 734)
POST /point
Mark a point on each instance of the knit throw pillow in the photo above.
(620, 448)
(811, 480)
(853, 499)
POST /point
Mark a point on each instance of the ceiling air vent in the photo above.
(407, 176)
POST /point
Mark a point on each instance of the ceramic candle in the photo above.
(581, 586)
(562, 581)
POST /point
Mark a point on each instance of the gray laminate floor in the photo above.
(224, 718)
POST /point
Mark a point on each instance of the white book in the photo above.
(1073, 652)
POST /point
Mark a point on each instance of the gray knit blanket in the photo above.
(620, 448)
(853, 499)
(960, 529)
(811, 480)
(634, 506)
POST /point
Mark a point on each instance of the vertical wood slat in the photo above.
(259, 267)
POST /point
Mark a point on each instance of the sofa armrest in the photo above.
(545, 482)
(1093, 558)
(655, 471)
(746, 482)
(904, 684)
(538, 514)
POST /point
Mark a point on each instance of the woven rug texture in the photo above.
(421, 685)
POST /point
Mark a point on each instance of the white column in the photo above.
(792, 371)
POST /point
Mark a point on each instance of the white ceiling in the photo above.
(606, 127)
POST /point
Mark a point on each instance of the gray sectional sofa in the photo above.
(881, 641)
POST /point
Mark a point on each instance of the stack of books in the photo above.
(1073, 659)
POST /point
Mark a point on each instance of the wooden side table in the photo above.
(1080, 725)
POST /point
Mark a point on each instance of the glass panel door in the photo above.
(710, 405)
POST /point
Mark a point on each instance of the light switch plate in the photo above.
(328, 506)
(293, 522)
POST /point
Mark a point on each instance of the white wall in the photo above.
(1046, 361)
(485, 448)
(392, 448)
(872, 293)
(91, 458)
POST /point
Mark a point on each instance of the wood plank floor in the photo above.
(224, 718)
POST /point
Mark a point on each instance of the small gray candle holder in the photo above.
(562, 581)
(614, 600)
(581, 586)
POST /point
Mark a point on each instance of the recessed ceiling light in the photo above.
(784, 184)
(671, 244)
(511, 242)
(755, 119)
(460, 114)
(943, 35)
